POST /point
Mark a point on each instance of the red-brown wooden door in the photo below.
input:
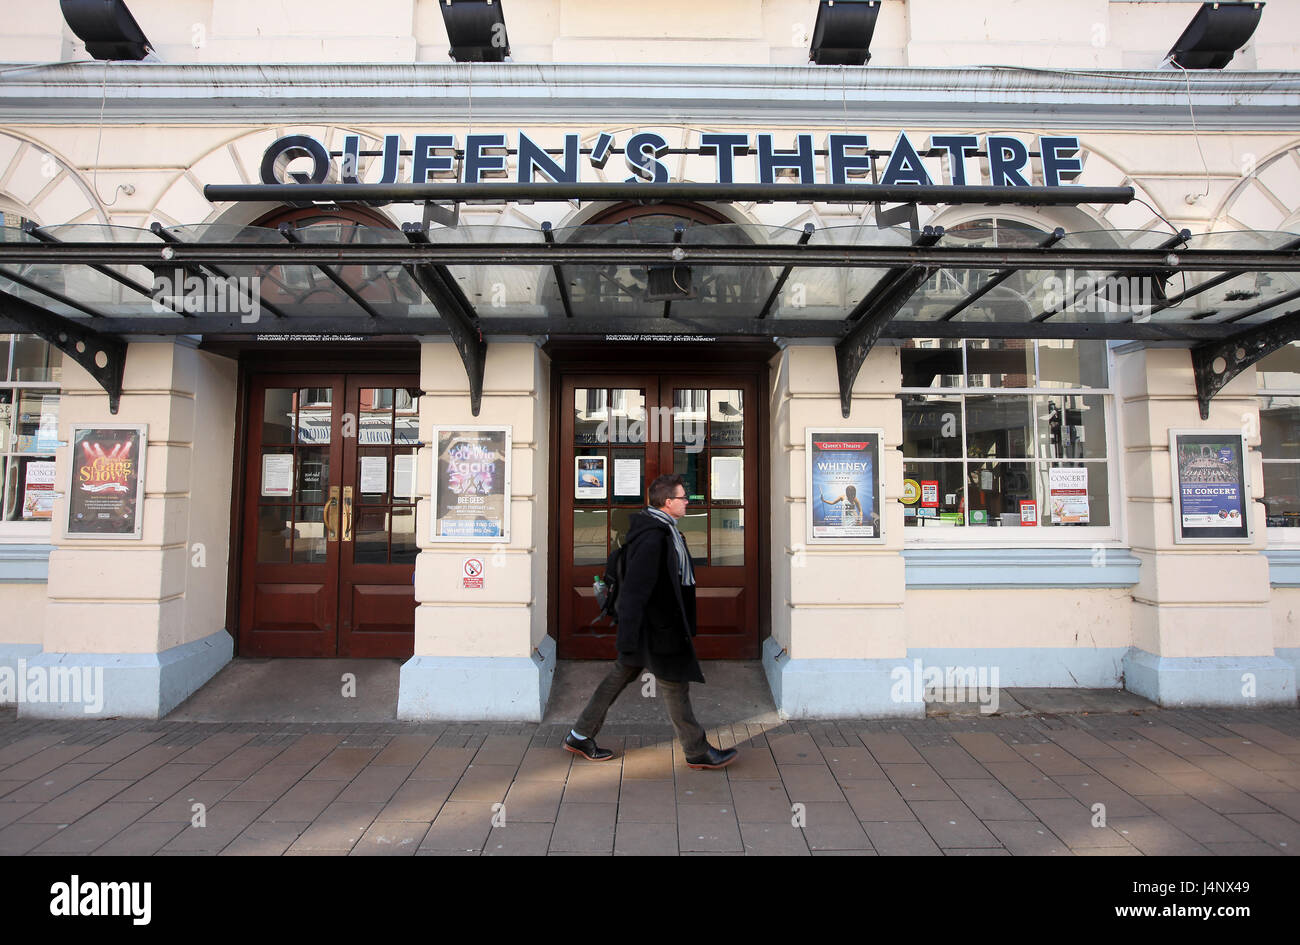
(630, 428)
(329, 545)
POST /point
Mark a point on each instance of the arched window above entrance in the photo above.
(689, 214)
(303, 284)
(692, 288)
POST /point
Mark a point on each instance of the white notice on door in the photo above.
(728, 474)
(403, 477)
(277, 474)
(374, 475)
(627, 477)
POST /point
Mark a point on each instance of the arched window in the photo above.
(693, 289)
(306, 284)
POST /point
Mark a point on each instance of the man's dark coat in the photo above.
(656, 615)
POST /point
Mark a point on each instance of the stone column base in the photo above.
(1210, 680)
(121, 685)
(838, 689)
(477, 688)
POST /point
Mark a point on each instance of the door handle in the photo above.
(347, 513)
(332, 515)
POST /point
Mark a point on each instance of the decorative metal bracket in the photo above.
(457, 313)
(85, 346)
(851, 351)
(1215, 364)
(870, 316)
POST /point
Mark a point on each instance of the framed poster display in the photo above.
(471, 484)
(106, 487)
(845, 485)
(589, 477)
(1211, 491)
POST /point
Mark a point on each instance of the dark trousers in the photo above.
(677, 697)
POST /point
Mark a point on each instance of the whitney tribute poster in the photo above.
(843, 485)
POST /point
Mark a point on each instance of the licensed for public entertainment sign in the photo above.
(845, 486)
(1210, 488)
(106, 491)
(471, 484)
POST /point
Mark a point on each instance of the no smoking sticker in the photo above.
(472, 574)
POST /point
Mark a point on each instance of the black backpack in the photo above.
(608, 586)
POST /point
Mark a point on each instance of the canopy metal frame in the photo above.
(1222, 343)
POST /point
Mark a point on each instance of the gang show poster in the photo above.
(844, 485)
(1210, 486)
(107, 489)
(472, 484)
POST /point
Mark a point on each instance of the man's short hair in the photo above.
(663, 487)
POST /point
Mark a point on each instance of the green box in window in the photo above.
(979, 517)
(950, 517)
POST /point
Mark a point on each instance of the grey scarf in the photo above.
(683, 555)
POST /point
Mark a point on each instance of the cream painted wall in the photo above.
(1285, 605)
(1085, 34)
(146, 596)
(502, 618)
(542, 486)
(1188, 594)
(212, 469)
(23, 606)
(841, 602)
(1051, 617)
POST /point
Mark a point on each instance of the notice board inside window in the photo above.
(1211, 489)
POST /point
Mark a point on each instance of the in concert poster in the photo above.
(107, 488)
(1210, 488)
(471, 487)
(843, 485)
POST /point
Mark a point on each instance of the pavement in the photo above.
(1056, 772)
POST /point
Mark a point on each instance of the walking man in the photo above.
(656, 621)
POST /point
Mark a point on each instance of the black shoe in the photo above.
(587, 748)
(713, 758)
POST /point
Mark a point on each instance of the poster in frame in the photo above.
(471, 483)
(1211, 486)
(589, 477)
(845, 485)
(105, 496)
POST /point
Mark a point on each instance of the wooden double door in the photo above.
(617, 432)
(329, 544)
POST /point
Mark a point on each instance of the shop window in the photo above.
(30, 371)
(1000, 433)
(1278, 377)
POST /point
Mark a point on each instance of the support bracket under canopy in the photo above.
(1215, 364)
(82, 344)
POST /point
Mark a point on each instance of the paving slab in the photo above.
(1142, 781)
(1075, 701)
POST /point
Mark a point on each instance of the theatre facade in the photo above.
(977, 378)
